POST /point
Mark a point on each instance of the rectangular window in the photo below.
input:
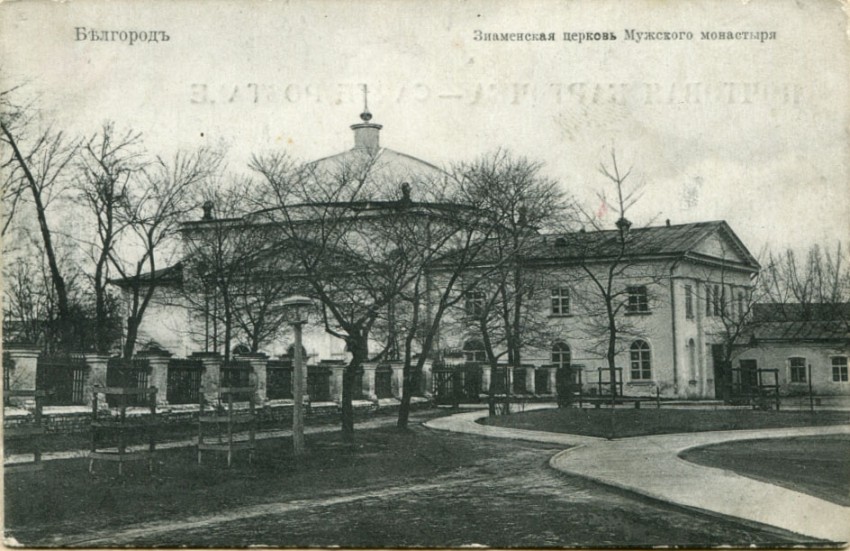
(474, 305)
(560, 302)
(638, 300)
(740, 304)
(798, 369)
(709, 311)
(839, 369)
(717, 302)
(689, 302)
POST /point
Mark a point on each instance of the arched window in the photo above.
(561, 355)
(473, 351)
(641, 364)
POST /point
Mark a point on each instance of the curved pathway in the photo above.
(651, 466)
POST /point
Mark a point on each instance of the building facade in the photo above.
(680, 286)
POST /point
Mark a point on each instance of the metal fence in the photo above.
(541, 381)
(237, 373)
(64, 376)
(384, 381)
(8, 366)
(519, 386)
(279, 379)
(184, 381)
(133, 373)
(319, 383)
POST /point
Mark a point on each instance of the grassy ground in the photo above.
(390, 488)
(641, 422)
(817, 465)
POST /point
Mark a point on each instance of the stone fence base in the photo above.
(77, 419)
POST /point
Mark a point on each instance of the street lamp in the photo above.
(299, 308)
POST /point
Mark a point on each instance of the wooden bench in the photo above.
(31, 431)
(120, 426)
(229, 420)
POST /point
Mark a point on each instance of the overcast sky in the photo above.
(747, 131)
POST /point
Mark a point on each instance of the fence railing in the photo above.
(603, 381)
(64, 376)
(541, 381)
(756, 387)
(184, 381)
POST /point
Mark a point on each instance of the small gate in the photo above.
(459, 383)
(184, 380)
(64, 376)
(444, 386)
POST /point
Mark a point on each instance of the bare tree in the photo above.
(151, 212)
(521, 202)
(38, 166)
(107, 164)
(332, 224)
(606, 260)
(233, 271)
(814, 285)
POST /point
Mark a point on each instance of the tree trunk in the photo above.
(359, 352)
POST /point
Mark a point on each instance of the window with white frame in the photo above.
(474, 305)
(473, 351)
(638, 299)
(797, 367)
(839, 369)
(689, 302)
(560, 302)
(640, 360)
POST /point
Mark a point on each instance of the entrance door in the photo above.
(749, 377)
(722, 373)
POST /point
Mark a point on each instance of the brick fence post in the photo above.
(485, 379)
(211, 378)
(369, 380)
(259, 363)
(22, 375)
(427, 378)
(96, 375)
(398, 378)
(158, 361)
(529, 379)
(337, 372)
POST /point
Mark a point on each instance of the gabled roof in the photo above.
(668, 241)
(164, 276)
(794, 322)
(798, 331)
(793, 311)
